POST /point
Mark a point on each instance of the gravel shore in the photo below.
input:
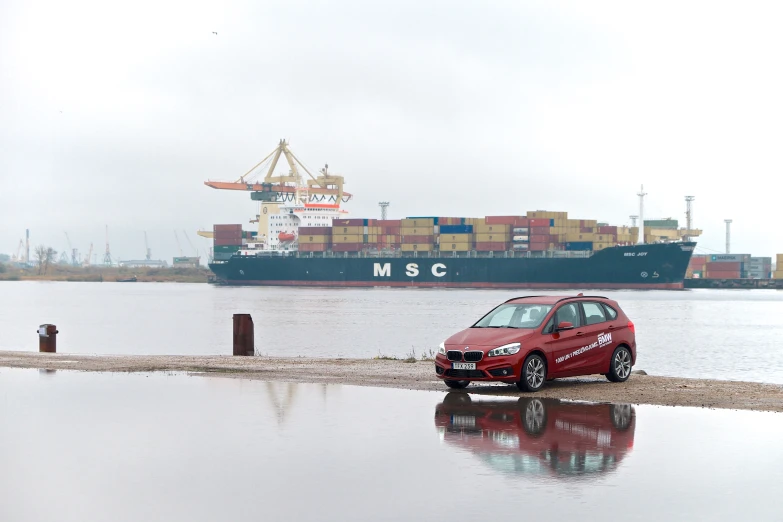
(639, 389)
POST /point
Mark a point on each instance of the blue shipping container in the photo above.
(456, 229)
(551, 222)
(579, 245)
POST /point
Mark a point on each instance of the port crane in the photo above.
(179, 247)
(322, 191)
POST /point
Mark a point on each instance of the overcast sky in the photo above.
(116, 113)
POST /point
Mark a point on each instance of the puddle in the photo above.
(126, 447)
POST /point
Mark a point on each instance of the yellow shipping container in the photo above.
(416, 247)
(779, 261)
(418, 222)
(578, 236)
(417, 231)
(456, 238)
(348, 230)
(315, 239)
(492, 238)
(483, 228)
(573, 223)
(456, 247)
(374, 230)
(353, 238)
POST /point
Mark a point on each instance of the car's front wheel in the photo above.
(620, 365)
(456, 385)
(533, 373)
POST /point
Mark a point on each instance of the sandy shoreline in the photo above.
(640, 389)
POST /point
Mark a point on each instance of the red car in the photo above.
(530, 340)
(539, 436)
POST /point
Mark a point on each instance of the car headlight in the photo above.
(442, 348)
(506, 349)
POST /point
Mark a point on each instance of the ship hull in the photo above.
(657, 266)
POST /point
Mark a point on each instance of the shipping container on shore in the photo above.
(726, 274)
(730, 258)
(492, 246)
(723, 266)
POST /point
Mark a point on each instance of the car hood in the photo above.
(487, 337)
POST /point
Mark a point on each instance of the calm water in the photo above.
(93, 447)
(731, 334)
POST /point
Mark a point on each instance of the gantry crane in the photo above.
(87, 259)
(291, 187)
(181, 254)
(74, 252)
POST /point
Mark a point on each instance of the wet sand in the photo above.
(639, 389)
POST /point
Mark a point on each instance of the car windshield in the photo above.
(508, 315)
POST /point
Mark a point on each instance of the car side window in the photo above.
(568, 313)
(594, 313)
(611, 313)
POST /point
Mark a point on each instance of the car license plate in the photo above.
(463, 366)
(463, 421)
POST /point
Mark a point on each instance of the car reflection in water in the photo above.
(539, 436)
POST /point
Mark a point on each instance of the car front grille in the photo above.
(465, 374)
(473, 356)
(454, 355)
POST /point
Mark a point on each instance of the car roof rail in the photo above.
(582, 296)
(524, 297)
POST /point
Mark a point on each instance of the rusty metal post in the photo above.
(47, 338)
(244, 335)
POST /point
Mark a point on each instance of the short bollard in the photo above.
(244, 338)
(47, 338)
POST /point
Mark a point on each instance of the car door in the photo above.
(597, 333)
(564, 345)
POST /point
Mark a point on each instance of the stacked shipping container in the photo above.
(778, 273)
(226, 241)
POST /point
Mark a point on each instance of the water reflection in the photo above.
(537, 436)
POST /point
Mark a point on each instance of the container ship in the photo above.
(304, 238)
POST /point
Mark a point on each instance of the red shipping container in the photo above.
(723, 274)
(348, 222)
(391, 230)
(222, 228)
(522, 222)
(586, 230)
(313, 247)
(724, 267)
(315, 231)
(228, 237)
(227, 242)
(607, 230)
(539, 230)
(388, 223)
(503, 220)
(539, 238)
(539, 222)
(372, 222)
(485, 246)
(538, 246)
(348, 247)
(417, 239)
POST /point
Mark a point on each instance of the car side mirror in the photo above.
(565, 326)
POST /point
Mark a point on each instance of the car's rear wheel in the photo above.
(620, 365)
(533, 373)
(457, 385)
